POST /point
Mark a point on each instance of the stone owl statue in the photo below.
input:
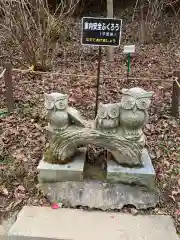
(134, 112)
(60, 116)
(107, 119)
(56, 105)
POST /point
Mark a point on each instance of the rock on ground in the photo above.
(96, 194)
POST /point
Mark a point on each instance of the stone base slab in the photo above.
(144, 176)
(42, 223)
(95, 194)
(72, 171)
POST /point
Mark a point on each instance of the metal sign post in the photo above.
(128, 49)
(98, 81)
(100, 32)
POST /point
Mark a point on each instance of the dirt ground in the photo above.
(23, 134)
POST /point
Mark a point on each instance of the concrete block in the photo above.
(67, 172)
(42, 223)
(144, 176)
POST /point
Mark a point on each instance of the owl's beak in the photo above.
(134, 109)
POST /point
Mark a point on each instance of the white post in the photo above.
(110, 14)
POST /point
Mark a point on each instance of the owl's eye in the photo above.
(48, 104)
(128, 102)
(61, 104)
(102, 113)
(113, 112)
(143, 103)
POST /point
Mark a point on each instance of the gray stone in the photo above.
(142, 176)
(2, 233)
(63, 172)
(95, 194)
(43, 223)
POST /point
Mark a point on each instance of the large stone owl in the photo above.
(107, 119)
(133, 111)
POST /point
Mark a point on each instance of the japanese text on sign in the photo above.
(103, 27)
(101, 31)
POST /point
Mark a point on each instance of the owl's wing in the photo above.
(146, 119)
(76, 117)
(95, 124)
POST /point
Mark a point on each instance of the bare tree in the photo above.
(151, 12)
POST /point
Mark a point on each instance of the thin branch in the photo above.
(2, 74)
(176, 80)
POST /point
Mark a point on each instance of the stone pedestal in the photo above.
(144, 176)
(96, 194)
(69, 184)
(67, 172)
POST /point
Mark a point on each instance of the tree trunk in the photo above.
(110, 14)
(142, 24)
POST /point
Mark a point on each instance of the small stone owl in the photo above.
(56, 104)
(107, 118)
(133, 111)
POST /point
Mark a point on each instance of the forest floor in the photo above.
(23, 134)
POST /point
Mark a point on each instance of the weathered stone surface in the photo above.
(42, 223)
(142, 176)
(95, 194)
(2, 233)
(68, 172)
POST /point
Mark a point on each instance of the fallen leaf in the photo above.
(178, 212)
(4, 191)
(158, 211)
(175, 193)
(134, 211)
(164, 185)
(166, 163)
(21, 188)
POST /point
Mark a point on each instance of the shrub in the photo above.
(33, 26)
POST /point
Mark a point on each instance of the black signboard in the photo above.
(101, 31)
